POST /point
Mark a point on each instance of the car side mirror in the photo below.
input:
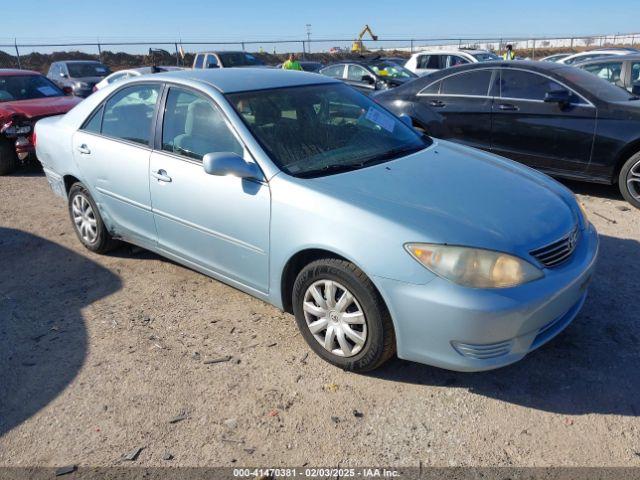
(635, 88)
(406, 119)
(562, 97)
(368, 79)
(229, 163)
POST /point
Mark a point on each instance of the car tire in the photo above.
(374, 337)
(630, 169)
(8, 158)
(87, 222)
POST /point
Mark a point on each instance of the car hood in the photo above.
(39, 107)
(457, 195)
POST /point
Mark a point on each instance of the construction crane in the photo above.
(357, 46)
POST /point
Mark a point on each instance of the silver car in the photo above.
(297, 189)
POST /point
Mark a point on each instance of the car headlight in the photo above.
(474, 267)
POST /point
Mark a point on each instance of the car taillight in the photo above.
(95, 88)
(33, 139)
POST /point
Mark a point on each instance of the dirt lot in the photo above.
(101, 355)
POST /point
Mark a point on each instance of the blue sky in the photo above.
(74, 20)
(329, 18)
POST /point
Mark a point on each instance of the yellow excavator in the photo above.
(357, 46)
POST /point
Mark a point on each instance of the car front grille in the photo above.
(557, 252)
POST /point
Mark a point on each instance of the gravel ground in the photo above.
(102, 355)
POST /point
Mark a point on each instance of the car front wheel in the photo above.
(87, 221)
(629, 180)
(342, 316)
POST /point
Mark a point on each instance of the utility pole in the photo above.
(308, 27)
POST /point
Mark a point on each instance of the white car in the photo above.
(555, 57)
(133, 72)
(593, 54)
(429, 61)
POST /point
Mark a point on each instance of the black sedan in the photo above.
(558, 119)
(623, 71)
(369, 76)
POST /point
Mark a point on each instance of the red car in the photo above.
(25, 97)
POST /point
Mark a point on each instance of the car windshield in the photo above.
(391, 70)
(485, 57)
(595, 85)
(318, 130)
(238, 59)
(25, 87)
(80, 70)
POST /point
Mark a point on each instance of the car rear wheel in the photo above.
(629, 180)
(87, 221)
(342, 316)
(8, 157)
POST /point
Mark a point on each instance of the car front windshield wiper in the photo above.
(366, 162)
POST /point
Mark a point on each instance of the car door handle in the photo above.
(508, 107)
(161, 175)
(437, 103)
(84, 150)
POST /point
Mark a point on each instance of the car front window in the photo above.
(322, 129)
(25, 87)
(80, 70)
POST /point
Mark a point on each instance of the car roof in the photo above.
(217, 52)
(527, 64)
(450, 51)
(78, 61)
(612, 58)
(232, 80)
(5, 72)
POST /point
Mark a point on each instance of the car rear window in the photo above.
(80, 70)
(25, 87)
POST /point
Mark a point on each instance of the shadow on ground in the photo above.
(593, 189)
(43, 338)
(592, 367)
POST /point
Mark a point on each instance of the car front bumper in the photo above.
(466, 329)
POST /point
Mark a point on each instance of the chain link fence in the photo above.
(119, 55)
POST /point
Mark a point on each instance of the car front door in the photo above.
(554, 137)
(429, 63)
(219, 223)
(461, 103)
(360, 78)
(112, 150)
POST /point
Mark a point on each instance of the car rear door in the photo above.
(549, 136)
(112, 150)
(462, 104)
(220, 223)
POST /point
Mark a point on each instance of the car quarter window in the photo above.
(519, 84)
(469, 83)
(433, 89)
(199, 61)
(128, 114)
(192, 126)
(94, 124)
(334, 71)
(356, 72)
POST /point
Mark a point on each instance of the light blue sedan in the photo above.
(297, 189)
